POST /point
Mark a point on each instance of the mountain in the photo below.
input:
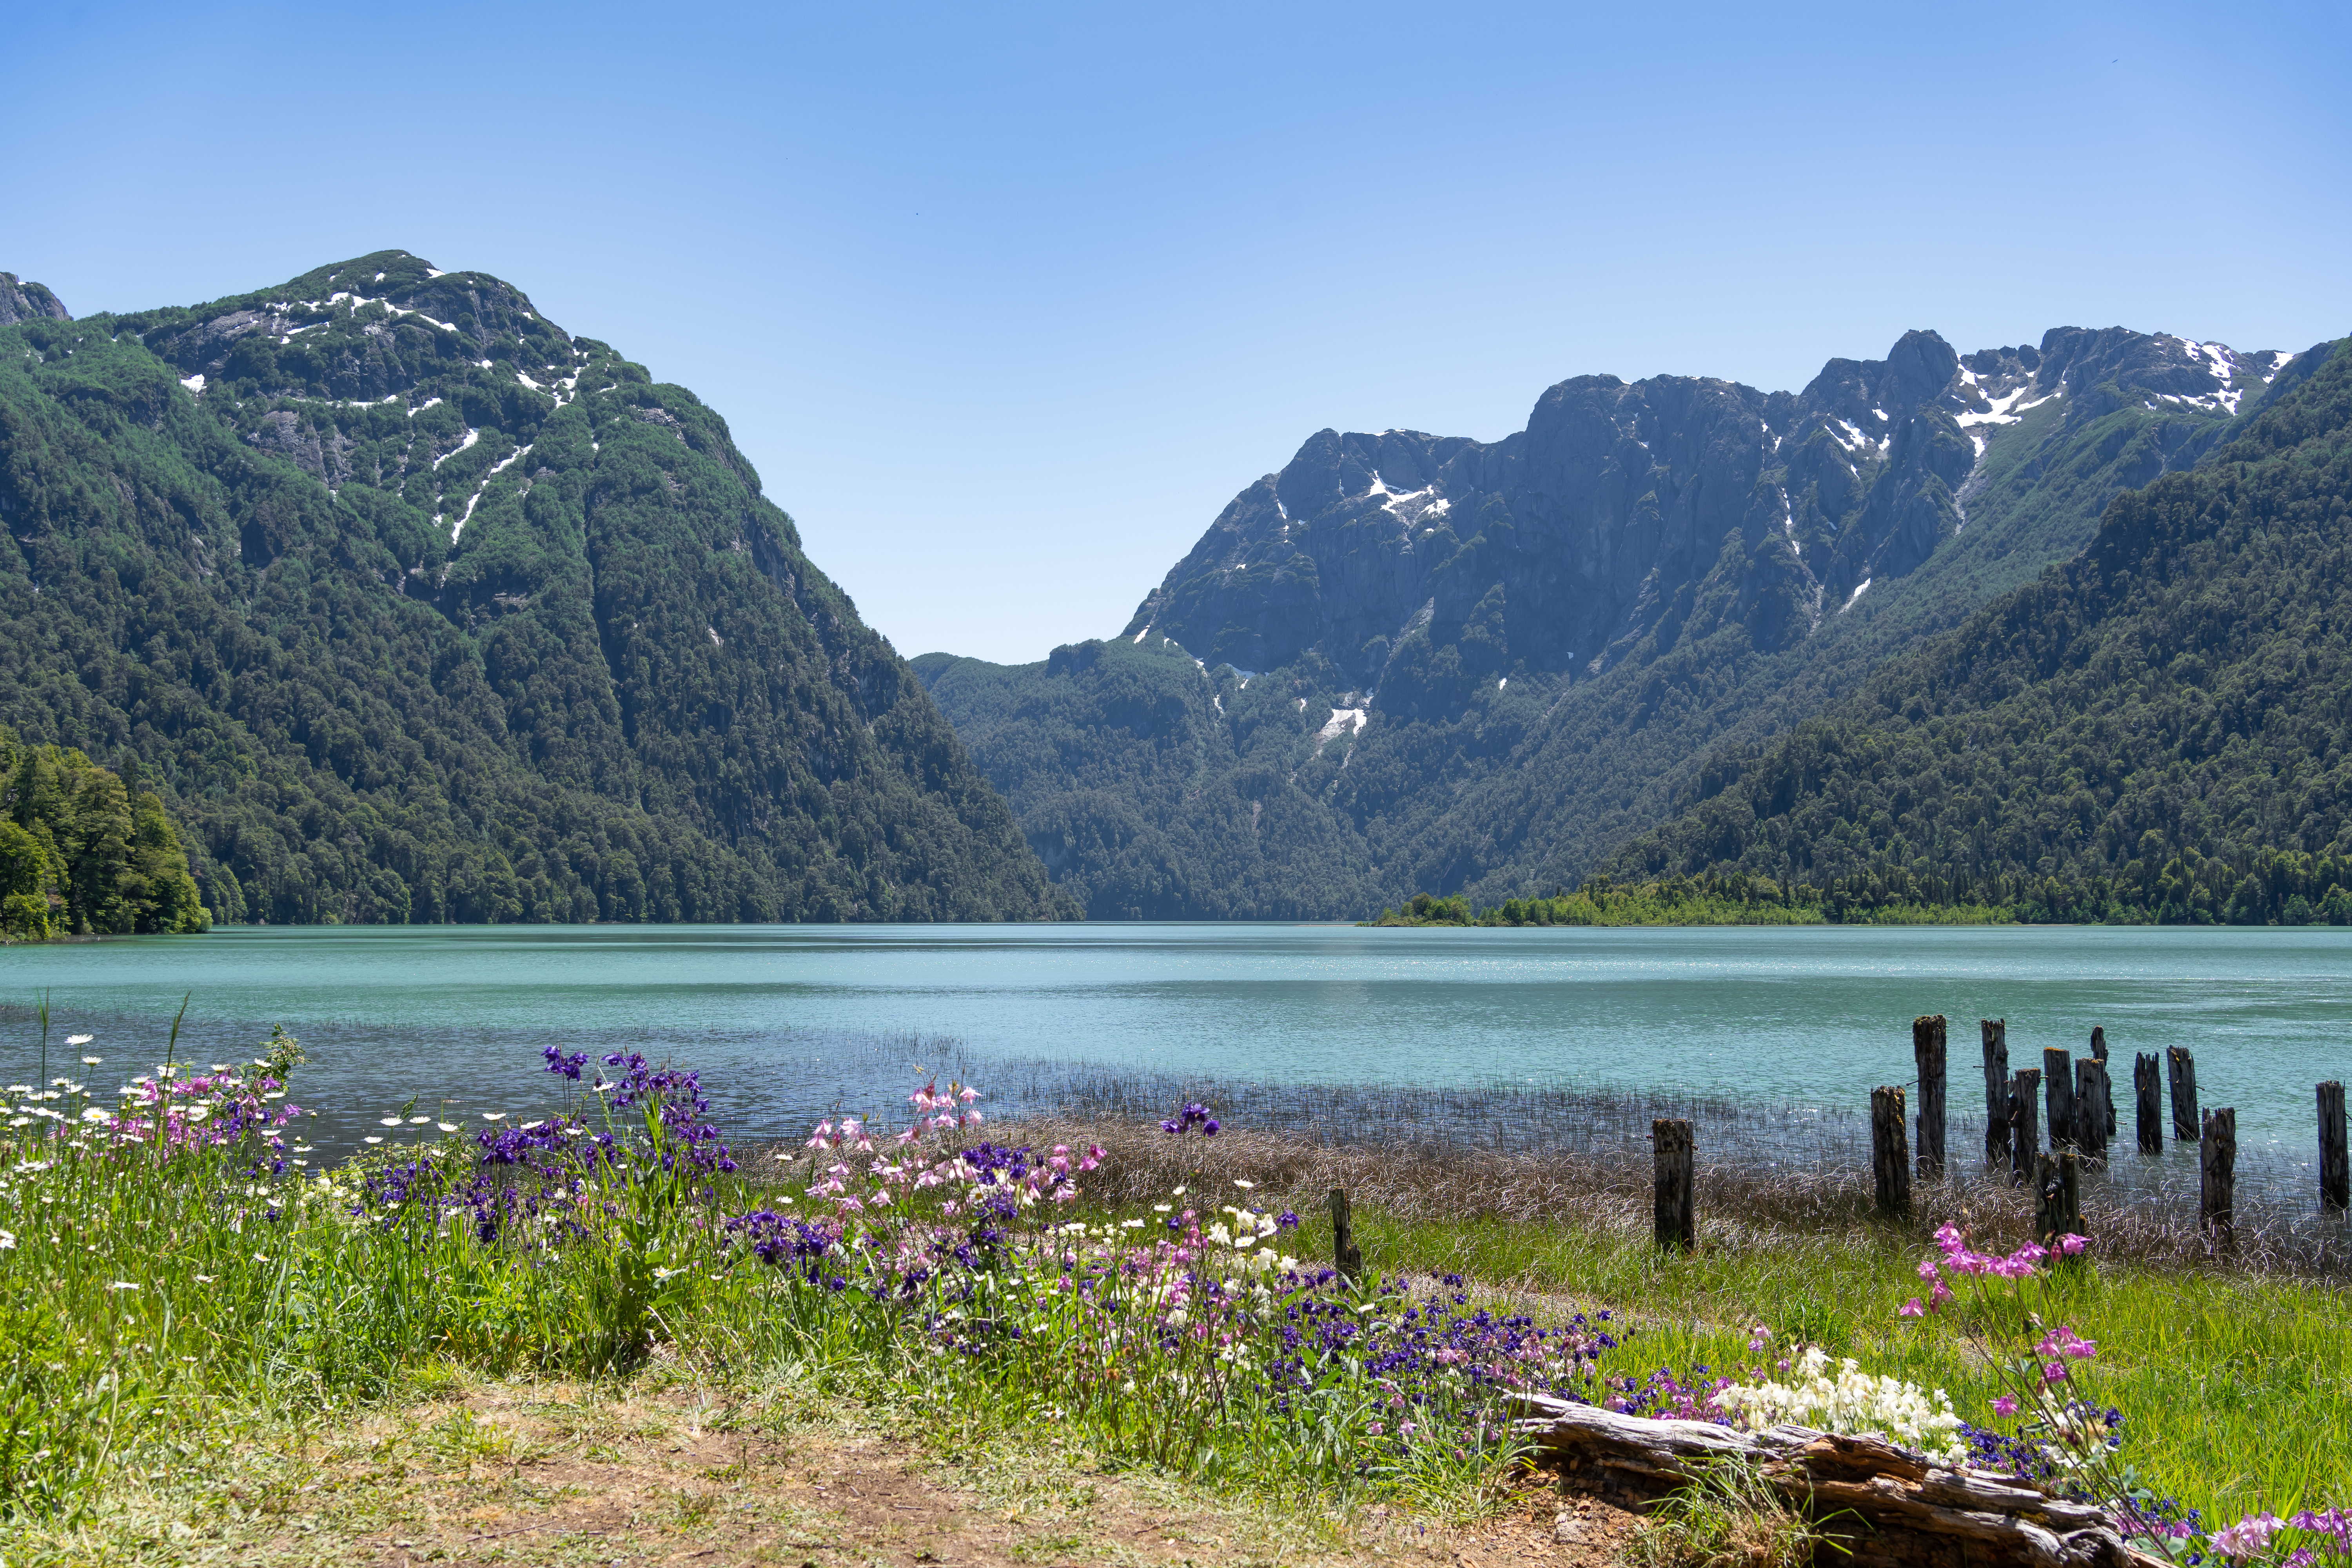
(411, 607)
(2161, 728)
(1481, 667)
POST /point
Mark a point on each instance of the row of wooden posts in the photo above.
(2080, 1115)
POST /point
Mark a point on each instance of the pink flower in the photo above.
(1929, 1269)
(2250, 1537)
(2070, 1244)
(1911, 1309)
(2054, 1372)
(1939, 1295)
(2004, 1406)
(1376, 1428)
(1949, 1238)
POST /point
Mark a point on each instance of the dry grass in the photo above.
(1744, 1202)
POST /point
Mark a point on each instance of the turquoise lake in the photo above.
(788, 1022)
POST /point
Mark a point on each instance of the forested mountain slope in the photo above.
(414, 607)
(2161, 727)
(1482, 667)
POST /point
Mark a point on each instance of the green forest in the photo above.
(2159, 729)
(1734, 900)
(1155, 788)
(412, 608)
(81, 854)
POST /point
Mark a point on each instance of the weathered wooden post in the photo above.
(2181, 1068)
(2090, 1109)
(2217, 1177)
(2335, 1163)
(1345, 1254)
(2024, 1124)
(2108, 1098)
(2057, 1196)
(2148, 1094)
(1927, 1042)
(1890, 1161)
(2058, 1086)
(1676, 1161)
(1996, 1079)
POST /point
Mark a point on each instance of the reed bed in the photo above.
(1545, 1153)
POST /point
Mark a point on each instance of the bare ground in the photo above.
(547, 1474)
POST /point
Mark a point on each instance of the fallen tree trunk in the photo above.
(1884, 1505)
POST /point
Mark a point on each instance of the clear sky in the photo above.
(1007, 301)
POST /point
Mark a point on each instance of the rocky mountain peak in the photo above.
(1657, 510)
(23, 302)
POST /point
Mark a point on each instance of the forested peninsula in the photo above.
(82, 855)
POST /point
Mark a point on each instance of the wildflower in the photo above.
(2070, 1244)
(2005, 1404)
(1912, 1309)
(122, 1285)
(1244, 1185)
(418, 1120)
(207, 1279)
(92, 1061)
(447, 1126)
(7, 1241)
(494, 1116)
(371, 1140)
(389, 1121)
(2250, 1537)
(80, 1040)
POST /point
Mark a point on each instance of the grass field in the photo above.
(182, 1287)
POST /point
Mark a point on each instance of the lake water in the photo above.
(788, 1022)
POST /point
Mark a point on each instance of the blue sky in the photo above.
(1007, 303)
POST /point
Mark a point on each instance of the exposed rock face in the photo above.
(1443, 664)
(22, 301)
(1416, 563)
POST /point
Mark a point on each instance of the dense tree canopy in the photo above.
(2161, 728)
(412, 607)
(81, 855)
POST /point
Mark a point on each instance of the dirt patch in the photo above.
(551, 1476)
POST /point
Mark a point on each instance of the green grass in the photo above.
(2237, 1389)
(163, 1305)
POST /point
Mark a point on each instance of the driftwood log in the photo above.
(1884, 1505)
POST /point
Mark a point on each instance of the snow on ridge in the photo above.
(195, 383)
(423, 406)
(472, 436)
(2007, 409)
(1347, 721)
